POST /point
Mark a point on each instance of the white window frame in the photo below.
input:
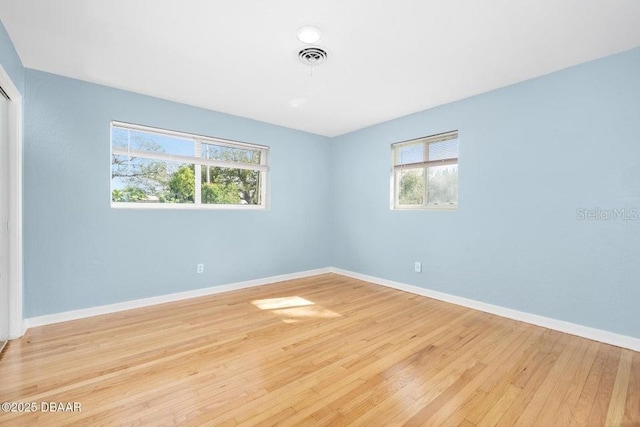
(395, 167)
(195, 160)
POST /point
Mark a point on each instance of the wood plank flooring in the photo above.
(325, 350)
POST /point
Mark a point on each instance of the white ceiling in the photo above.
(387, 58)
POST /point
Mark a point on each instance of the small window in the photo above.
(159, 168)
(425, 173)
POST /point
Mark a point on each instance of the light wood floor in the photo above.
(326, 350)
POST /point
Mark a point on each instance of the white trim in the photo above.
(14, 274)
(438, 137)
(426, 163)
(182, 206)
(451, 207)
(607, 337)
(162, 299)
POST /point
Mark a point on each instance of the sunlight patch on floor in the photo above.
(273, 303)
(294, 309)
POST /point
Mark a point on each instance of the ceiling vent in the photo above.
(312, 56)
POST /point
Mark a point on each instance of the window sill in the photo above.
(425, 208)
(185, 206)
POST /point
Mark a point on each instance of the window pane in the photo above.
(230, 154)
(413, 153)
(442, 185)
(149, 141)
(137, 180)
(156, 166)
(443, 150)
(411, 186)
(230, 186)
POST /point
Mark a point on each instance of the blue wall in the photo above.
(10, 60)
(530, 156)
(79, 252)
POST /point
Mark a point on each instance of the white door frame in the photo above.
(14, 268)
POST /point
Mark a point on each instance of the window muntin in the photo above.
(425, 173)
(157, 168)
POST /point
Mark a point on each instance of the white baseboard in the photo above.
(607, 337)
(161, 299)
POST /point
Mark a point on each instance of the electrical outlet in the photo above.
(417, 267)
(200, 268)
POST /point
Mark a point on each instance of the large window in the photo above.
(159, 168)
(425, 173)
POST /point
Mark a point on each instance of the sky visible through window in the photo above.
(147, 141)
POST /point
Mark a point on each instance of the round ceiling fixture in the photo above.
(313, 55)
(308, 34)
